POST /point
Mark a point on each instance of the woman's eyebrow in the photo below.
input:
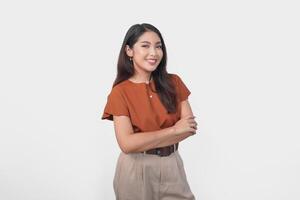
(150, 42)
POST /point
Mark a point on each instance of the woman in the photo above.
(151, 115)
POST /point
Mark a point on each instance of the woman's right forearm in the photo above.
(142, 141)
(174, 140)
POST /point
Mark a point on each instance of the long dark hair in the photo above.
(162, 79)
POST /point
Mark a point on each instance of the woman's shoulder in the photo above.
(119, 88)
(124, 88)
(120, 85)
(174, 77)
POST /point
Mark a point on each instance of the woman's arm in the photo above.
(130, 142)
(185, 111)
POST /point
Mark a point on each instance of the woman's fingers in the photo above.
(189, 117)
(194, 125)
(191, 121)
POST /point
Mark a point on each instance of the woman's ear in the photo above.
(128, 51)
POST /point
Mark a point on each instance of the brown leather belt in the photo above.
(162, 151)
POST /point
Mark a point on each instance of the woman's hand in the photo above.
(186, 124)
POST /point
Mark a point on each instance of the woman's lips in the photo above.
(152, 61)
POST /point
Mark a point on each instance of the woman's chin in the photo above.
(151, 67)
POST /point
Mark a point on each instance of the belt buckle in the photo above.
(169, 152)
(158, 152)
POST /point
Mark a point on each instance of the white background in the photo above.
(240, 59)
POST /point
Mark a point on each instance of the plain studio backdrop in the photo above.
(240, 60)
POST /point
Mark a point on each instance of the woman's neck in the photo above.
(141, 79)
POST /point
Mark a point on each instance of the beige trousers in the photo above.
(141, 176)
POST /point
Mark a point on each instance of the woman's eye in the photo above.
(147, 46)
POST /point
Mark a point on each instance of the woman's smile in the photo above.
(152, 61)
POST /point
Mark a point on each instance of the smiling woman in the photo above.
(151, 115)
(145, 54)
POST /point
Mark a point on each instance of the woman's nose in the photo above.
(153, 51)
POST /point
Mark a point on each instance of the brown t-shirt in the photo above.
(143, 106)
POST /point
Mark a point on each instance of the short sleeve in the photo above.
(116, 105)
(183, 91)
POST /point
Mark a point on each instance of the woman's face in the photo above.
(147, 52)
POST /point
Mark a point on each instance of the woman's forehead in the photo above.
(149, 37)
